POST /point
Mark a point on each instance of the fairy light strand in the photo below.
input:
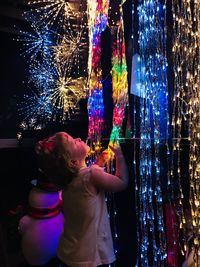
(97, 22)
(154, 125)
(119, 77)
(186, 111)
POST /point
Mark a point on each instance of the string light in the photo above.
(97, 22)
(186, 113)
(119, 77)
(120, 99)
(153, 127)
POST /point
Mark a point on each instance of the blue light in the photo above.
(153, 128)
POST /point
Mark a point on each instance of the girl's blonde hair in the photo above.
(54, 157)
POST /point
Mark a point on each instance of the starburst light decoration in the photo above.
(52, 13)
(71, 49)
(66, 92)
(37, 43)
(56, 48)
(36, 109)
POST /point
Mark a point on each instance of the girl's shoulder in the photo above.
(86, 176)
(87, 173)
(96, 167)
(96, 170)
(90, 169)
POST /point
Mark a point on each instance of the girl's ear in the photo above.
(73, 163)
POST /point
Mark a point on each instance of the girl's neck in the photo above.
(82, 164)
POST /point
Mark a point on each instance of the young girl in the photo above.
(86, 240)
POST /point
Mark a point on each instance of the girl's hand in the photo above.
(116, 150)
(103, 158)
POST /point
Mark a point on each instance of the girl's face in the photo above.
(77, 149)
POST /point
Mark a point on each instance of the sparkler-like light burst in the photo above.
(71, 49)
(36, 108)
(60, 99)
(56, 46)
(51, 13)
(59, 93)
(67, 94)
(38, 43)
(42, 75)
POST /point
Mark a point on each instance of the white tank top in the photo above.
(86, 240)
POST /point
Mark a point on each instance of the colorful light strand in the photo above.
(97, 21)
(120, 99)
(119, 77)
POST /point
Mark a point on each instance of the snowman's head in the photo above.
(43, 199)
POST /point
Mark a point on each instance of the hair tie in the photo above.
(45, 146)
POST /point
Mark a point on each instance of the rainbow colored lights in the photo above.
(98, 20)
(119, 78)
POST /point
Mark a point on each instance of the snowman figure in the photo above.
(42, 226)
